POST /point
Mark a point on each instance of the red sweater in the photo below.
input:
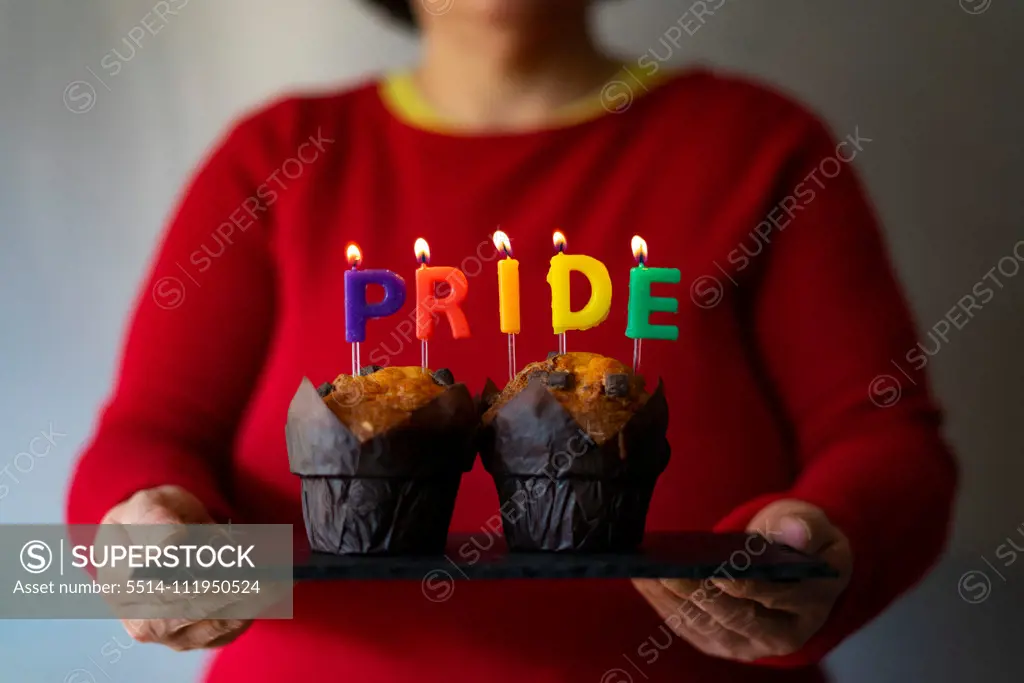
(789, 311)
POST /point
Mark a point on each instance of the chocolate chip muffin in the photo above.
(378, 399)
(575, 444)
(381, 455)
(599, 392)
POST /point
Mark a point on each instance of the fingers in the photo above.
(691, 623)
(161, 505)
(784, 597)
(740, 614)
(188, 508)
(206, 634)
(682, 588)
(745, 617)
(182, 634)
(664, 602)
(713, 639)
(154, 630)
(792, 598)
(768, 594)
(150, 517)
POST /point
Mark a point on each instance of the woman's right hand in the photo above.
(172, 505)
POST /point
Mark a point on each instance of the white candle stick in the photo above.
(511, 356)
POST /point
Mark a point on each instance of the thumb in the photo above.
(151, 517)
(156, 525)
(794, 523)
(794, 532)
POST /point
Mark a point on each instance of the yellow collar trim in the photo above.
(401, 96)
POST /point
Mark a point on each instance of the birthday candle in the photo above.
(357, 309)
(596, 311)
(427, 302)
(508, 285)
(642, 303)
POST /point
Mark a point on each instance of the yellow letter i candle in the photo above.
(508, 296)
(642, 303)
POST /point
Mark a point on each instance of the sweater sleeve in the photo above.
(195, 346)
(834, 334)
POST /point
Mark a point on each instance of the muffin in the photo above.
(381, 456)
(575, 445)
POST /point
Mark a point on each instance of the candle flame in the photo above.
(559, 241)
(422, 250)
(639, 246)
(353, 254)
(502, 243)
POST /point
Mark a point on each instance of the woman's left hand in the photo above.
(746, 620)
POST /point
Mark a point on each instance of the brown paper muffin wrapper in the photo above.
(393, 493)
(562, 491)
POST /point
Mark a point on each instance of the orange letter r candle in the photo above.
(427, 303)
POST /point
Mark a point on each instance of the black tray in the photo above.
(687, 555)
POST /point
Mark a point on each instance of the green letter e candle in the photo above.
(642, 303)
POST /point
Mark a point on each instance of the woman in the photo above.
(787, 417)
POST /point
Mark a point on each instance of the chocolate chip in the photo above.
(616, 385)
(444, 377)
(560, 380)
(369, 370)
(537, 376)
(553, 354)
(325, 389)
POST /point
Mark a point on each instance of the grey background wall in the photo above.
(936, 84)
